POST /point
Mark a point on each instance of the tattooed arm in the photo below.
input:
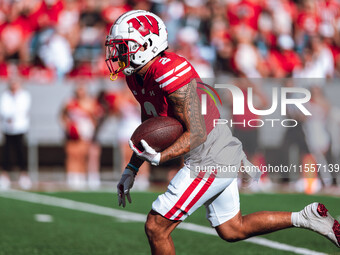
(187, 109)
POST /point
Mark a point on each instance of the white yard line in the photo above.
(138, 217)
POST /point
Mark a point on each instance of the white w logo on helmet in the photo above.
(145, 24)
(135, 38)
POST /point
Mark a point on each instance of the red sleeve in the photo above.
(173, 72)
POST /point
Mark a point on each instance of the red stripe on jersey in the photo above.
(205, 187)
(185, 195)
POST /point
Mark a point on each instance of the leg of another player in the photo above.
(158, 230)
(258, 223)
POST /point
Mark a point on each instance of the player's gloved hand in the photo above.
(149, 154)
(124, 186)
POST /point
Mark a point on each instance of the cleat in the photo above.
(317, 218)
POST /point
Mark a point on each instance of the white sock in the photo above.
(296, 219)
(300, 219)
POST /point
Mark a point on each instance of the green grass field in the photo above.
(76, 232)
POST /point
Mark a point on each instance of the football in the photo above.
(158, 132)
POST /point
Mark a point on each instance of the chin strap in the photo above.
(114, 76)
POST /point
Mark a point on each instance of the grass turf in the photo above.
(74, 232)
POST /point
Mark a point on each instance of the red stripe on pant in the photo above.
(198, 195)
(185, 195)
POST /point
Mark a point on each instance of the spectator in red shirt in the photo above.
(308, 19)
(46, 15)
(244, 12)
(284, 59)
(16, 32)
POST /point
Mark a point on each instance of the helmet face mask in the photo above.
(118, 54)
(134, 39)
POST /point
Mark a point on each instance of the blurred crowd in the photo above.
(48, 39)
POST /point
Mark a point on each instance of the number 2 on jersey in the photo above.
(164, 60)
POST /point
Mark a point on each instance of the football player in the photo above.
(165, 84)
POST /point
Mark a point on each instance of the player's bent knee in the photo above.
(232, 237)
(232, 231)
(151, 228)
(155, 229)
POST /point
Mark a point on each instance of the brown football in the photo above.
(158, 132)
